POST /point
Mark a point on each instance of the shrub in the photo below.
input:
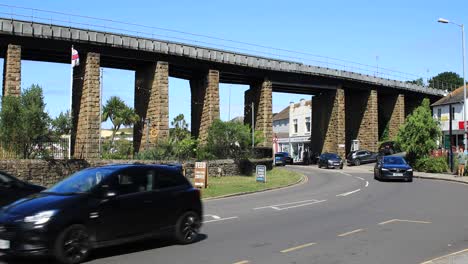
(432, 164)
(119, 149)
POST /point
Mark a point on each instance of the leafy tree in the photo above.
(24, 123)
(418, 81)
(180, 128)
(230, 140)
(62, 124)
(119, 114)
(446, 81)
(419, 134)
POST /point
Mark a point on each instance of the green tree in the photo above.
(446, 81)
(24, 123)
(419, 134)
(418, 81)
(179, 131)
(62, 124)
(119, 114)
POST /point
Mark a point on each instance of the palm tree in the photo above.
(119, 114)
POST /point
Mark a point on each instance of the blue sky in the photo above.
(399, 35)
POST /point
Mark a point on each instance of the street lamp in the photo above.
(445, 21)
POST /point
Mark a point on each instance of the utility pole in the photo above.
(100, 110)
(253, 125)
(148, 123)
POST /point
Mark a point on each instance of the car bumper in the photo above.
(24, 240)
(391, 176)
(334, 166)
(279, 162)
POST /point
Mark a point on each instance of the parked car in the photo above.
(393, 168)
(280, 159)
(330, 160)
(99, 207)
(12, 189)
(289, 159)
(361, 156)
(389, 148)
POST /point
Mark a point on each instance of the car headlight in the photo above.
(384, 169)
(41, 217)
(409, 170)
(330, 161)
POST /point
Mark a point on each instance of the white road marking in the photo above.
(241, 262)
(221, 219)
(432, 261)
(403, 220)
(296, 204)
(351, 232)
(214, 216)
(348, 193)
(367, 183)
(347, 174)
(362, 179)
(298, 247)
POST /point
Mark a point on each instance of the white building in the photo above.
(441, 112)
(292, 128)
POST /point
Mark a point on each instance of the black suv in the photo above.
(99, 207)
(12, 189)
(358, 157)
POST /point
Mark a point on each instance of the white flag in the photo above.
(75, 58)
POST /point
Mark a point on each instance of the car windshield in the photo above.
(333, 156)
(81, 182)
(4, 178)
(394, 160)
(279, 155)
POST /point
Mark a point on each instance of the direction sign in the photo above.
(201, 175)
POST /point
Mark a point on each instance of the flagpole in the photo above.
(71, 104)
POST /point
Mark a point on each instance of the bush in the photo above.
(120, 149)
(432, 164)
(170, 150)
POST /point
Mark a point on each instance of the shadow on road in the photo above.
(107, 252)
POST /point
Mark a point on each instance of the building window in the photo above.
(295, 125)
(439, 114)
(308, 124)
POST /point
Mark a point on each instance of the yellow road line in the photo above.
(298, 247)
(241, 262)
(448, 255)
(351, 232)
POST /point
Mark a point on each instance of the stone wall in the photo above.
(397, 117)
(86, 107)
(205, 103)
(151, 102)
(12, 71)
(49, 172)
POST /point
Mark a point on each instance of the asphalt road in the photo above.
(337, 216)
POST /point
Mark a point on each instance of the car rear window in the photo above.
(169, 178)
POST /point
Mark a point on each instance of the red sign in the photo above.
(460, 125)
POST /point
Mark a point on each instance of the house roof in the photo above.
(454, 97)
(284, 114)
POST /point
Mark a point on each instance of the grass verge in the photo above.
(221, 186)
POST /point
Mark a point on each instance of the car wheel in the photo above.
(187, 228)
(357, 162)
(72, 245)
(320, 166)
(341, 167)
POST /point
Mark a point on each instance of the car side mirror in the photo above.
(106, 192)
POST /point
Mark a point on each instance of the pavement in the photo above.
(337, 216)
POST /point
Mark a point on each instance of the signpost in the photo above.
(201, 175)
(261, 173)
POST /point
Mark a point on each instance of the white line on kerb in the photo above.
(221, 219)
(348, 193)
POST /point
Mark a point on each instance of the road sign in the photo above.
(201, 175)
(261, 173)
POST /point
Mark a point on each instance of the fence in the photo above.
(57, 149)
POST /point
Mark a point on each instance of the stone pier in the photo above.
(151, 105)
(362, 119)
(12, 71)
(260, 95)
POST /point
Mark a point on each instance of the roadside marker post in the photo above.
(260, 172)
(201, 175)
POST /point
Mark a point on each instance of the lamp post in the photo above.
(445, 21)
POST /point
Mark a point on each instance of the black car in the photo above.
(330, 160)
(100, 207)
(280, 159)
(393, 168)
(361, 156)
(389, 148)
(12, 189)
(288, 158)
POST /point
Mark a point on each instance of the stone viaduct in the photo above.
(346, 105)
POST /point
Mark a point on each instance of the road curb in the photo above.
(301, 181)
(440, 179)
